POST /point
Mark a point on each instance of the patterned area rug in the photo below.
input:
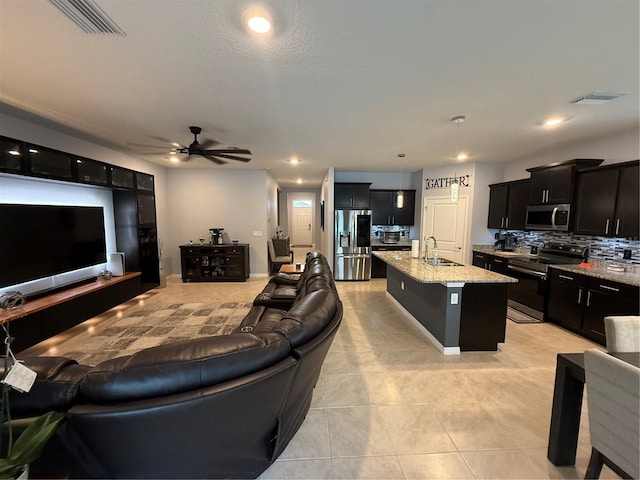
(147, 326)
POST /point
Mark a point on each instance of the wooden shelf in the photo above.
(62, 296)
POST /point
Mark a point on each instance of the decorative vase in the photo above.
(163, 278)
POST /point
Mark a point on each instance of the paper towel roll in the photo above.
(415, 248)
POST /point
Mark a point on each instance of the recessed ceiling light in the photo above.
(174, 159)
(298, 181)
(177, 145)
(462, 156)
(259, 24)
(553, 122)
(294, 160)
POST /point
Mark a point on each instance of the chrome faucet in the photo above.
(426, 247)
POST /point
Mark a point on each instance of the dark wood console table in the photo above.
(215, 263)
(49, 315)
(567, 405)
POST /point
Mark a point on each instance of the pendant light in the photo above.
(454, 188)
(400, 193)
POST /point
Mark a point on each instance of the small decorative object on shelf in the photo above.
(106, 274)
(11, 299)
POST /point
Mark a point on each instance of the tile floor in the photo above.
(388, 405)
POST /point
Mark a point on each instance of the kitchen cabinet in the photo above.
(580, 302)
(385, 210)
(508, 205)
(351, 195)
(553, 184)
(607, 201)
(490, 262)
(379, 267)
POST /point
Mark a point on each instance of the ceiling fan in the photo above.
(216, 155)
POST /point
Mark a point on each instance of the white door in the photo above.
(302, 217)
(446, 221)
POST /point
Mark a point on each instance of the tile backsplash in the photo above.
(600, 248)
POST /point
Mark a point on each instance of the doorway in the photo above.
(301, 208)
(447, 222)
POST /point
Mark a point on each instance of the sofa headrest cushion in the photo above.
(309, 316)
(182, 366)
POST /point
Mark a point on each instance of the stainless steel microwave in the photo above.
(548, 217)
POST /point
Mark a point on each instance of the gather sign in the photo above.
(445, 182)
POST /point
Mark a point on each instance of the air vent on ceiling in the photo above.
(597, 98)
(88, 16)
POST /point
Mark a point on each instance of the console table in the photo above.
(51, 314)
(215, 263)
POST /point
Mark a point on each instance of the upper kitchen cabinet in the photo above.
(384, 205)
(508, 205)
(607, 201)
(553, 184)
(351, 195)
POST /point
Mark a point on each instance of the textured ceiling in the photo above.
(341, 83)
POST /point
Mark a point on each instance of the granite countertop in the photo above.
(423, 272)
(630, 276)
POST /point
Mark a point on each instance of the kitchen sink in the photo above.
(444, 262)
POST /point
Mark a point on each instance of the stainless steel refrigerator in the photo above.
(352, 259)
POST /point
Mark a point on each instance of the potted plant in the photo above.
(29, 444)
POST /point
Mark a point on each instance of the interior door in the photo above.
(446, 221)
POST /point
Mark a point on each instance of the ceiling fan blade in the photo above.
(237, 151)
(164, 147)
(214, 159)
(208, 142)
(230, 157)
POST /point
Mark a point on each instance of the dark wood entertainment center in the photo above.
(135, 231)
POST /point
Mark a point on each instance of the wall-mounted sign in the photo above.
(445, 182)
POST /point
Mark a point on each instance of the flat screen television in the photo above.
(38, 241)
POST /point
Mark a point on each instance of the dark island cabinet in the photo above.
(508, 205)
(215, 263)
(580, 302)
(553, 184)
(385, 209)
(607, 201)
(490, 262)
(351, 195)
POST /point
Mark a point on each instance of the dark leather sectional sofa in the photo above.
(217, 407)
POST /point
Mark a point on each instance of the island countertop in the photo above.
(424, 272)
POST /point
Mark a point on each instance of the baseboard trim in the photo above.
(444, 350)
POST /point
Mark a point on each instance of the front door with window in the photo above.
(302, 219)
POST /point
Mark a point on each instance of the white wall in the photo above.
(379, 180)
(236, 200)
(621, 147)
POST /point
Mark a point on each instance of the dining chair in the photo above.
(613, 398)
(280, 253)
(622, 333)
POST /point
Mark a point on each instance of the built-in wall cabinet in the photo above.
(133, 197)
(607, 201)
(508, 205)
(385, 209)
(351, 195)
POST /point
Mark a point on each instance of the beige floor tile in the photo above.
(299, 470)
(471, 427)
(347, 391)
(434, 466)
(415, 429)
(498, 464)
(381, 467)
(311, 440)
(358, 432)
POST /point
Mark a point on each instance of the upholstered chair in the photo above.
(623, 333)
(613, 395)
(279, 253)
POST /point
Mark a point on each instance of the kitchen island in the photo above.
(459, 307)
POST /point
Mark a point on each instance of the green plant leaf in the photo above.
(30, 443)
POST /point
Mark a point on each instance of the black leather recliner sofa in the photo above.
(217, 407)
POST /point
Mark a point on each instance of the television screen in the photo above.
(38, 241)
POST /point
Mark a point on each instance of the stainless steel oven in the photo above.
(528, 295)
